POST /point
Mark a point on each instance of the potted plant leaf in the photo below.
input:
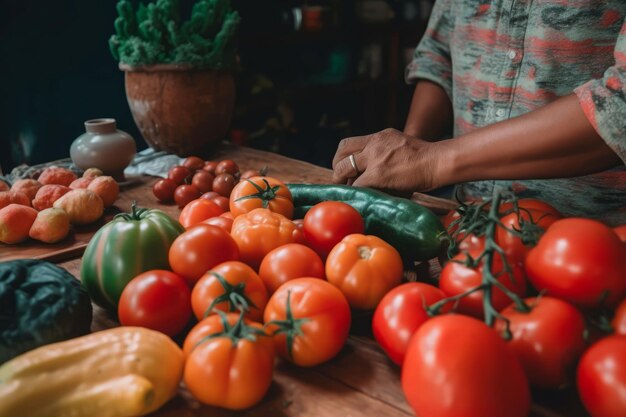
(178, 74)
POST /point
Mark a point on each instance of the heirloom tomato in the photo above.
(287, 262)
(601, 377)
(326, 223)
(229, 287)
(261, 192)
(457, 366)
(581, 261)
(364, 268)
(548, 339)
(400, 313)
(197, 211)
(310, 319)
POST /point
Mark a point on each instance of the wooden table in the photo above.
(360, 381)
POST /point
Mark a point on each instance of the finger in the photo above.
(344, 170)
(364, 180)
(349, 146)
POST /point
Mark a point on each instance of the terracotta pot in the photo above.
(179, 109)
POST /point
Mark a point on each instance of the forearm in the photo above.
(430, 115)
(553, 142)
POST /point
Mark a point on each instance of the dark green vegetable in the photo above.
(40, 303)
(415, 231)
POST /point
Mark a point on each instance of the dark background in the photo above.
(300, 89)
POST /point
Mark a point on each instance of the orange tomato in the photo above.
(228, 287)
(260, 231)
(229, 364)
(288, 262)
(311, 321)
(199, 249)
(364, 268)
(197, 211)
(261, 192)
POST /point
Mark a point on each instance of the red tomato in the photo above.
(223, 184)
(193, 163)
(159, 300)
(197, 211)
(581, 261)
(621, 232)
(185, 194)
(228, 215)
(548, 340)
(400, 313)
(199, 249)
(619, 320)
(220, 221)
(203, 181)
(210, 195)
(210, 166)
(222, 202)
(456, 278)
(327, 223)
(179, 174)
(261, 192)
(164, 189)
(226, 167)
(250, 173)
(288, 262)
(238, 364)
(601, 377)
(312, 318)
(455, 364)
(364, 268)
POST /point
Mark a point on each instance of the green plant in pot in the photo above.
(178, 74)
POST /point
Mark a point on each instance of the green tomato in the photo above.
(130, 244)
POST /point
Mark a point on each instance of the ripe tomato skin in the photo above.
(223, 184)
(400, 313)
(193, 163)
(581, 261)
(548, 340)
(326, 223)
(327, 316)
(179, 174)
(208, 288)
(453, 366)
(199, 249)
(185, 194)
(158, 300)
(288, 262)
(456, 278)
(259, 232)
(227, 167)
(225, 223)
(364, 268)
(275, 196)
(621, 232)
(601, 377)
(203, 181)
(240, 373)
(619, 319)
(164, 189)
(197, 211)
(210, 166)
(249, 174)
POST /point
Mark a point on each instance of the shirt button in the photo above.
(511, 54)
(500, 113)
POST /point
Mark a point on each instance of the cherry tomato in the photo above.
(158, 300)
(619, 320)
(203, 181)
(261, 192)
(223, 184)
(601, 377)
(581, 261)
(210, 195)
(220, 221)
(179, 174)
(184, 194)
(311, 319)
(454, 364)
(199, 249)
(400, 313)
(197, 211)
(621, 232)
(164, 189)
(364, 268)
(456, 278)
(325, 224)
(259, 232)
(226, 167)
(193, 163)
(548, 339)
(249, 174)
(210, 166)
(288, 262)
(238, 365)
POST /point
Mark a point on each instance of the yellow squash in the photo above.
(121, 372)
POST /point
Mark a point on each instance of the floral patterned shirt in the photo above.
(499, 59)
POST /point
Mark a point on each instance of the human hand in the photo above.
(389, 160)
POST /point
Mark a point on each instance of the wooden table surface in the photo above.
(360, 381)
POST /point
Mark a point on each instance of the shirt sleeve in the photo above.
(431, 60)
(604, 100)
